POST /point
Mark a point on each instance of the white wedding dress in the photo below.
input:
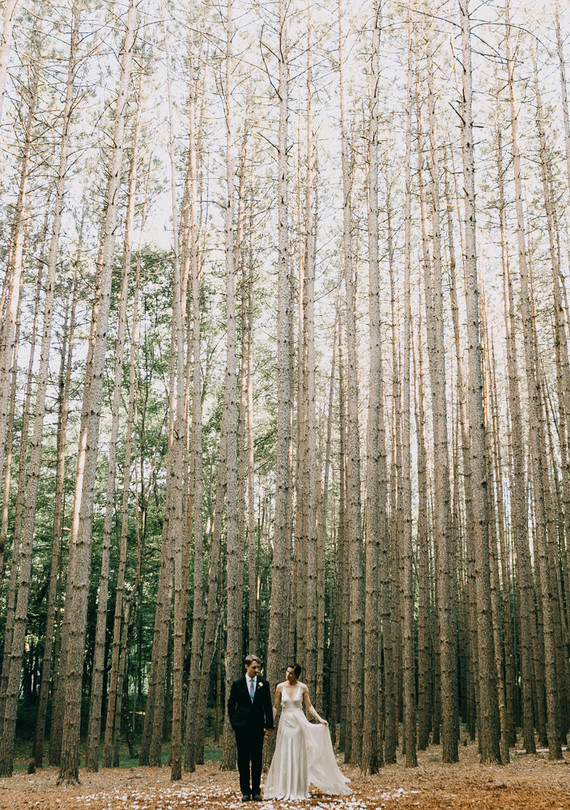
(303, 755)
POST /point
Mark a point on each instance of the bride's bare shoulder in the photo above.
(304, 687)
(279, 687)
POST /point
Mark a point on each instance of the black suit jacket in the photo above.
(245, 715)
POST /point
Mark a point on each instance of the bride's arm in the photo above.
(277, 703)
(311, 709)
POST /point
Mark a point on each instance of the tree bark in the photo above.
(280, 576)
(10, 10)
(75, 617)
(356, 615)
(234, 587)
(535, 440)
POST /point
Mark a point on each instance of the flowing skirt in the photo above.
(303, 755)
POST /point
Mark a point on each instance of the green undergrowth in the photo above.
(23, 755)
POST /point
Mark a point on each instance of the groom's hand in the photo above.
(268, 732)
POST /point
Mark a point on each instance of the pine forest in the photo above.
(284, 370)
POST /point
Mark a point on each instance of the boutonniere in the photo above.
(259, 685)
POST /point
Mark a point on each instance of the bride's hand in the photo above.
(324, 722)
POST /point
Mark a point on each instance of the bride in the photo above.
(303, 750)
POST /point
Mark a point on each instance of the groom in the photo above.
(251, 716)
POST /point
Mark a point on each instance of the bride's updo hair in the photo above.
(297, 669)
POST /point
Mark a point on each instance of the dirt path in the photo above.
(527, 783)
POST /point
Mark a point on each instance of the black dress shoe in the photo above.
(246, 797)
(257, 798)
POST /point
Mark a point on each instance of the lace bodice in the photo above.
(290, 703)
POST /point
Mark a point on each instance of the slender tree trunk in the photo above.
(552, 698)
(75, 617)
(253, 604)
(234, 587)
(280, 577)
(13, 582)
(441, 513)
(353, 437)
(119, 617)
(63, 412)
(468, 565)
(519, 519)
(499, 558)
(198, 606)
(310, 484)
(96, 698)
(10, 10)
(408, 653)
(487, 707)
(32, 484)
(9, 451)
(175, 487)
(14, 274)
(560, 336)
(494, 517)
(343, 581)
(376, 502)
(423, 554)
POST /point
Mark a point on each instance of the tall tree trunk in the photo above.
(96, 697)
(342, 609)
(12, 291)
(234, 587)
(353, 438)
(9, 452)
(195, 728)
(468, 563)
(10, 10)
(487, 706)
(17, 641)
(423, 555)
(280, 576)
(500, 559)
(560, 326)
(310, 483)
(441, 509)
(176, 478)
(63, 412)
(198, 606)
(75, 618)
(375, 441)
(519, 519)
(494, 518)
(13, 581)
(253, 603)
(120, 622)
(405, 498)
(538, 472)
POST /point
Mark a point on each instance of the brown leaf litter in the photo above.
(529, 782)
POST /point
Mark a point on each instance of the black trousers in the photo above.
(250, 759)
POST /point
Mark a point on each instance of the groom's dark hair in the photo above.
(250, 659)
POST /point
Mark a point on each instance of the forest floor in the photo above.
(528, 782)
